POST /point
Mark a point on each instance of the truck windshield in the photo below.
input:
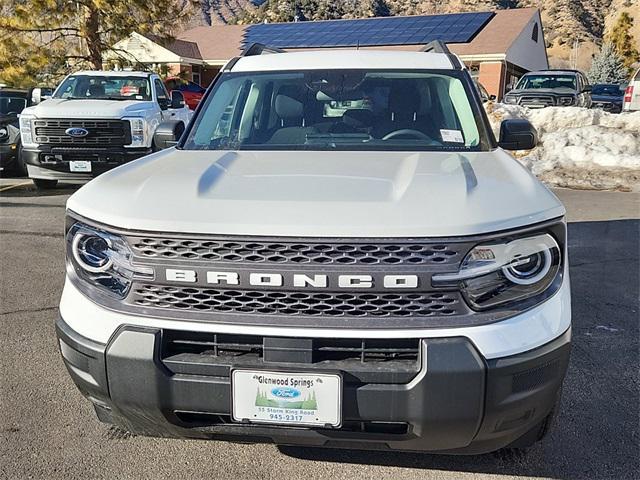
(96, 87)
(547, 81)
(340, 109)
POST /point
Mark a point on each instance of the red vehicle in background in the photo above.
(191, 91)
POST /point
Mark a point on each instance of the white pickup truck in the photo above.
(95, 121)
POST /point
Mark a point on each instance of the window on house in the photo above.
(534, 33)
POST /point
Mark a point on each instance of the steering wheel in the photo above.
(406, 131)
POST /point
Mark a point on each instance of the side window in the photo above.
(161, 93)
(534, 33)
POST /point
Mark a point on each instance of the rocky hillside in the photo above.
(573, 28)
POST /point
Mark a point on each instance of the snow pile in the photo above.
(579, 147)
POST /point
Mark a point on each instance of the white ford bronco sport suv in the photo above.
(336, 252)
(95, 121)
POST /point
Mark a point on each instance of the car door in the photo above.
(585, 96)
(162, 97)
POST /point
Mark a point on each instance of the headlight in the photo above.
(567, 101)
(4, 133)
(26, 130)
(494, 274)
(102, 260)
(139, 132)
(510, 99)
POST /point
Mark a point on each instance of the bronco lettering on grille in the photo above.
(264, 279)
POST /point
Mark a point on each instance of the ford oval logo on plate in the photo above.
(77, 132)
(285, 392)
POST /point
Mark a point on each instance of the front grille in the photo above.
(238, 347)
(321, 253)
(263, 302)
(101, 132)
(537, 101)
(361, 361)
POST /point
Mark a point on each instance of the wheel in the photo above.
(42, 184)
(20, 168)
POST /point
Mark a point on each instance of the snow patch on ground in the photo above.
(579, 147)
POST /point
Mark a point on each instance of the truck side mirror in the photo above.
(36, 96)
(517, 134)
(168, 133)
(177, 99)
(587, 88)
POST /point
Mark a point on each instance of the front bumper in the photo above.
(53, 163)
(457, 402)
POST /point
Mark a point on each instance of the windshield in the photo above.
(607, 90)
(339, 109)
(104, 88)
(12, 105)
(547, 81)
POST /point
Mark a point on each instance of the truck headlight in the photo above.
(139, 132)
(494, 274)
(4, 133)
(510, 99)
(102, 260)
(26, 131)
(567, 101)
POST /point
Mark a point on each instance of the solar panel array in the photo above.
(414, 30)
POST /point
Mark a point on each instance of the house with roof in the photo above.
(498, 47)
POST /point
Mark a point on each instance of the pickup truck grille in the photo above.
(320, 253)
(537, 101)
(298, 303)
(101, 132)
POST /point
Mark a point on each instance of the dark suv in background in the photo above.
(12, 102)
(551, 88)
(608, 97)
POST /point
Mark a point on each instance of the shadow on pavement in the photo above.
(596, 433)
(25, 191)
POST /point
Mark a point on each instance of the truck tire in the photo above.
(42, 184)
(20, 168)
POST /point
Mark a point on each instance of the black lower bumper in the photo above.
(53, 163)
(457, 401)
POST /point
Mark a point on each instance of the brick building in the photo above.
(498, 47)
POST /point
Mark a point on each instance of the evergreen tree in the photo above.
(607, 66)
(55, 36)
(623, 41)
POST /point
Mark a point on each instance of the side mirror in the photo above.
(163, 102)
(36, 96)
(517, 134)
(177, 99)
(509, 87)
(168, 133)
(587, 88)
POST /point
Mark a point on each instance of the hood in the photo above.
(318, 194)
(63, 108)
(542, 91)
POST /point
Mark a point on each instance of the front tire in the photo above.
(42, 184)
(20, 167)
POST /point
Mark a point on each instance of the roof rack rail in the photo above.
(436, 46)
(259, 49)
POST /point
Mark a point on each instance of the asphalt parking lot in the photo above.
(48, 431)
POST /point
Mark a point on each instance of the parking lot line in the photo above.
(14, 186)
